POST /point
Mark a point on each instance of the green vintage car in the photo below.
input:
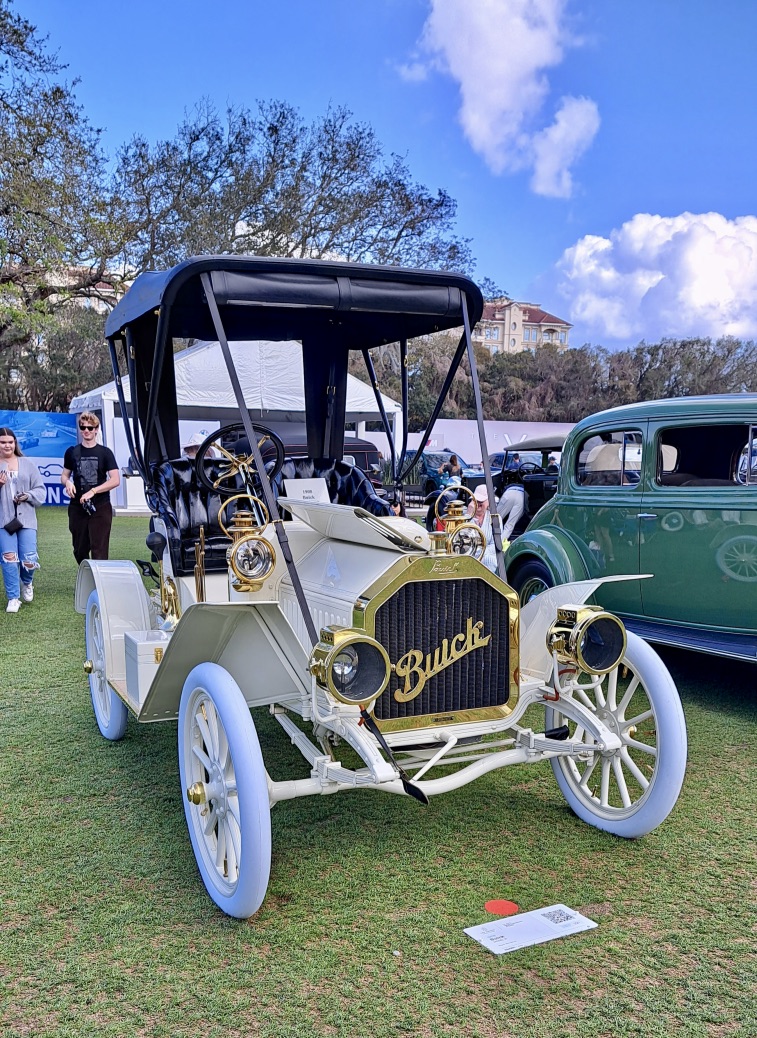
(666, 488)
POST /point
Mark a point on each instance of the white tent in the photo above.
(271, 376)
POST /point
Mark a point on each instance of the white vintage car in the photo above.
(290, 585)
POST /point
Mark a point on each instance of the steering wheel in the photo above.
(529, 468)
(237, 471)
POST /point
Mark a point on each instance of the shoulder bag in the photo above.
(15, 524)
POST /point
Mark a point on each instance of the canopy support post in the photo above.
(268, 494)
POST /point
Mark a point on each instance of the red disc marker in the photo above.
(498, 907)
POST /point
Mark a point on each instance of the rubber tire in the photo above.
(111, 713)
(212, 686)
(655, 804)
(527, 574)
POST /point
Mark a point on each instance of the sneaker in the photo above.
(27, 593)
(14, 604)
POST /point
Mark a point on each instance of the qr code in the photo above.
(557, 916)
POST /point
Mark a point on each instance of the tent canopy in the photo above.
(271, 375)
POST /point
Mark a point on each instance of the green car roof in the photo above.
(730, 405)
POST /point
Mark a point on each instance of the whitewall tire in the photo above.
(631, 790)
(110, 711)
(228, 813)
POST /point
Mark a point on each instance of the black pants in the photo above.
(90, 533)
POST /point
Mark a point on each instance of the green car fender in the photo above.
(556, 551)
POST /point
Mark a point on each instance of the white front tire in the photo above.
(221, 762)
(631, 790)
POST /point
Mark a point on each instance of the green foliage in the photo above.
(55, 234)
(552, 385)
(245, 181)
(66, 356)
(107, 930)
(266, 183)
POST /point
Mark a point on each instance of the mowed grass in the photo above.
(105, 927)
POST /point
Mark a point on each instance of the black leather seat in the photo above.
(347, 485)
(185, 505)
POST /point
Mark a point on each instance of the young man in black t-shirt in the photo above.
(90, 472)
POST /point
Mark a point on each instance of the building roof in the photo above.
(535, 315)
(532, 313)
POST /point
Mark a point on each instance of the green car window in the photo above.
(610, 458)
(707, 455)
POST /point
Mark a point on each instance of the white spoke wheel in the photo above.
(110, 712)
(228, 814)
(631, 790)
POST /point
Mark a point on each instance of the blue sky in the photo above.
(603, 153)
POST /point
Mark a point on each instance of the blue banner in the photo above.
(44, 436)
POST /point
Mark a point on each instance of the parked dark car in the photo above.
(536, 466)
(294, 437)
(432, 479)
(662, 488)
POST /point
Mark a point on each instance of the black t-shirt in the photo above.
(89, 468)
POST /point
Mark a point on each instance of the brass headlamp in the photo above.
(461, 536)
(350, 666)
(251, 557)
(587, 637)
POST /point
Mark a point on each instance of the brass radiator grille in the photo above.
(423, 616)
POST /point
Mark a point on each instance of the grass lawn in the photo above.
(105, 927)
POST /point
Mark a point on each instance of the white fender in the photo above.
(124, 605)
(538, 614)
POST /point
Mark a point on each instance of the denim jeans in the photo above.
(22, 549)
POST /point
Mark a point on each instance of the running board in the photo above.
(717, 643)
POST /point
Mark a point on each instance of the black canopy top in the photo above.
(357, 305)
(331, 308)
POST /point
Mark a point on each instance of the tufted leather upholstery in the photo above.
(346, 484)
(185, 504)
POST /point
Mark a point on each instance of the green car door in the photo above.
(599, 510)
(699, 525)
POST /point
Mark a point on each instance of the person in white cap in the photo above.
(190, 448)
(482, 518)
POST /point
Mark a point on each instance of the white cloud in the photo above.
(498, 51)
(693, 274)
(558, 146)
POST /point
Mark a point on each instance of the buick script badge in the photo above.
(416, 668)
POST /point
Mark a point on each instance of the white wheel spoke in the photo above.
(233, 807)
(221, 847)
(203, 758)
(212, 719)
(628, 696)
(599, 695)
(210, 820)
(204, 727)
(224, 757)
(639, 718)
(612, 689)
(233, 846)
(635, 770)
(643, 746)
(620, 779)
(588, 772)
(581, 695)
(604, 790)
